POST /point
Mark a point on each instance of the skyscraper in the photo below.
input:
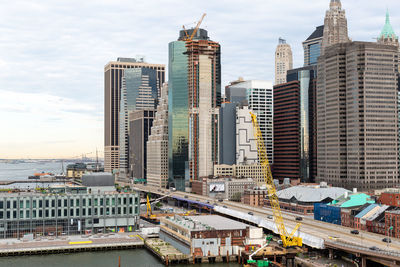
(335, 25)
(259, 97)
(283, 61)
(140, 123)
(246, 143)
(204, 88)
(178, 118)
(139, 91)
(294, 137)
(157, 145)
(357, 130)
(312, 46)
(113, 73)
(227, 133)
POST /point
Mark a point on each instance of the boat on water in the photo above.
(45, 175)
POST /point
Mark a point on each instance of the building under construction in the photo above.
(204, 92)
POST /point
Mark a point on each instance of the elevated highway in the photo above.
(333, 236)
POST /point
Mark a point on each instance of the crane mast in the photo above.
(288, 240)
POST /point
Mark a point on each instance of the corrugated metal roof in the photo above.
(311, 193)
(381, 210)
(366, 210)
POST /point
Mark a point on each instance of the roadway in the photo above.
(331, 233)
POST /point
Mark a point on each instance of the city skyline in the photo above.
(52, 57)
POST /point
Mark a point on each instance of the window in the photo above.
(53, 203)
(46, 212)
(77, 202)
(21, 204)
(59, 213)
(101, 201)
(1, 204)
(40, 213)
(59, 202)
(47, 203)
(27, 214)
(84, 202)
(27, 204)
(71, 202)
(53, 213)
(34, 214)
(40, 204)
(65, 202)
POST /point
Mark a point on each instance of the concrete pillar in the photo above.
(331, 254)
(363, 261)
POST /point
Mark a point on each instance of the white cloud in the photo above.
(59, 48)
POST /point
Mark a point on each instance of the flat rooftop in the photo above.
(218, 222)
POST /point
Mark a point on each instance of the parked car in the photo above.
(354, 232)
(374, 248)
(250, 213)
(270, 217)
(387, 240)
(186, 196)
(299, 218)
(225, 207)
(220, 200)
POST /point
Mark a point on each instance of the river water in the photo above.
(134, 257)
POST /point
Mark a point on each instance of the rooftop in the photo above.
(311, 193)
(352, 200)
(387, 31)
(207, 222)
(318, 33)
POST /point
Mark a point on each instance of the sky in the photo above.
(53, 53)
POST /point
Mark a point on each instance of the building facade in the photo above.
(312, 46)
(259, 97)
(240, 171)
(178, 120)
(246, 143)
(335, 25)
(157, 145)
(204, 94)
(139, 91)
(113, 73)
(283, 61)
(294, 131)
(227, 134)
(67, 214)
(357, 129)
(140, 123)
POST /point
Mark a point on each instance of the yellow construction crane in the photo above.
(190, 38)
(149, 213)
(288, 240)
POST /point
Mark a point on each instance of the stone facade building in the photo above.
(283, 61)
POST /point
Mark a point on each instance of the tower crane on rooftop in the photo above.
(288, 240)
(188, 38)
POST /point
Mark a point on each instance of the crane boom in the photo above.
(188, 38)
(288, 240)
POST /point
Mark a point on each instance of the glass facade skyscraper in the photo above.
(139, 91)
(178, 115)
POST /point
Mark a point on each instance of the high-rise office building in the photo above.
(236, 96)
(283, 61)
(294, 131)
(178, 115)
(246, 143)
(335, 25)
(204, 89)
(113, 73)
(140, 123)
(259, 97)
(357, 115)
(227, 134)
(312, 46)
(157, 145)
(357, 125)
(139, 91)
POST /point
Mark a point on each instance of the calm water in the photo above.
(21, 171)
(135, 257)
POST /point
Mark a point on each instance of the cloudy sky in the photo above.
(52, 55)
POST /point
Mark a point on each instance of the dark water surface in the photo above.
(134, 257)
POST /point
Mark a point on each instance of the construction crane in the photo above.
(149, 212)
(288, 240)
(188, 38)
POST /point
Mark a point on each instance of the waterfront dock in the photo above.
(167, 253)
(70, 244)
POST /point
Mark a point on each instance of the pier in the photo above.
(71, 244)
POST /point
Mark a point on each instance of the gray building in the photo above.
(140, 123)
(227, 133)
(357, 138)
